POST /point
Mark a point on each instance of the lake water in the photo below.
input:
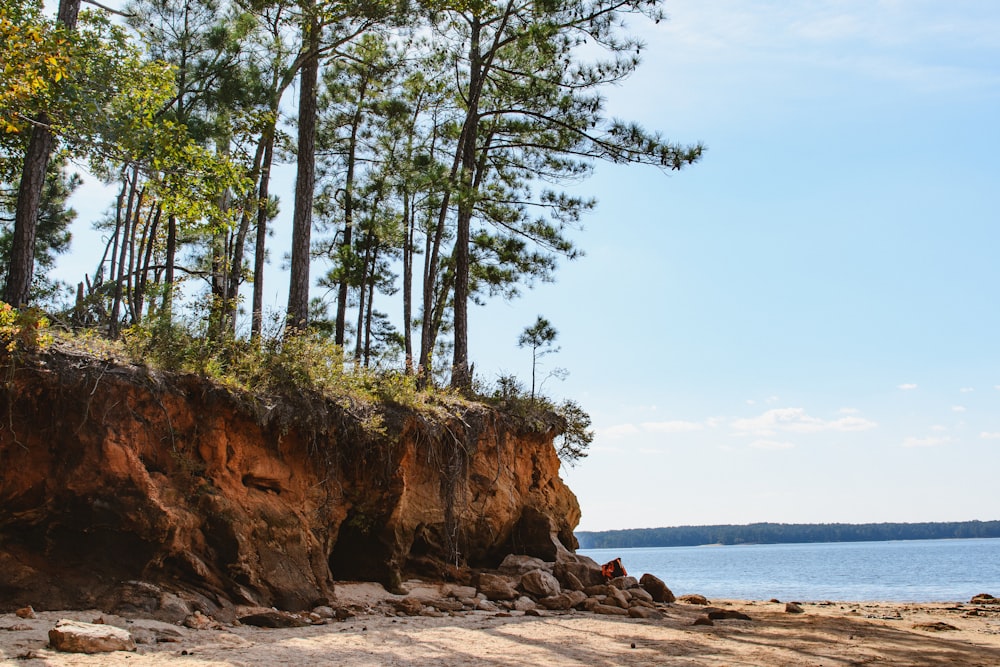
(902, 571)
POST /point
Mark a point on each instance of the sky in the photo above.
(803, 327)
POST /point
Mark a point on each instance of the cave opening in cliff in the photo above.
(359, 554)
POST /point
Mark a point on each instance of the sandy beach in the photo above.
(826, 633)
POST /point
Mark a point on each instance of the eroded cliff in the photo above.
(112, 473)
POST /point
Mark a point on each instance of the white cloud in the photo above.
(930, 441)
(795, 420)
(967, 390)
(958, 408)
(849, 411)
(618, 431)
(939, 428)
(677, 426)
(985, 435)
(771, 444)
(906, 387)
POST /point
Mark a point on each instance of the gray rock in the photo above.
(656, 588)
(540, 584)
(77, 637)
(524, 603)
(640, 594)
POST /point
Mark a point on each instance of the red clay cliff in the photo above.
(113, 474)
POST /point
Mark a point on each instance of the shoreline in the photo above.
(825, 633)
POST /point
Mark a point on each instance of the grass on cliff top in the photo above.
(294, 364)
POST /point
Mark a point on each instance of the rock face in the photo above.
(114, 474)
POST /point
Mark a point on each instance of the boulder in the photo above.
(495, 587)
(559, 602)
(409, 605)
(794, 608)
(461, 592)
(77, 637)
(571, 582)
(656, 588)
(25, 612)
(618, 597)
(624, 583)
(521, 564)
(640, 594)
(540, 584)
(586, 570)
(984, 598)
(703, 620)
(609, 610)
(524, 603)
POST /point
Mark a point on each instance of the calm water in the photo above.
(903, 571)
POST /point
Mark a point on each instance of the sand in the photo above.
(827, 633)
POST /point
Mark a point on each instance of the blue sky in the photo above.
(804, 326)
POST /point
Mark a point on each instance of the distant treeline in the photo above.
(784, 533)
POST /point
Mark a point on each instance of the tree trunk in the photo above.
(29, 192)
(298, 289)
(259, 255)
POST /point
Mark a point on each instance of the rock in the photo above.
(461, 592)
(609, 610)
(656, 588)
(495, 587)
(532, 612)
(624, 583)
(559, 602)
(18, 627)
(727, 615)
(984, 598)
(586, 570)
(617, 597)
(521, 564)
(571, 582)
(324, 611)
(640, 594)
(272, 618)
(600, 589)
(445, 604)
(77, 637)
(703, 620)
(693, 599)
(486, 605)
(411, 606)
(540, 583)
(645, 612)
(198, 621)
(25, 612)
(524, 603)
(794, 608)
(937, 626)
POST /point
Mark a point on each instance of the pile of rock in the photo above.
(531, 585)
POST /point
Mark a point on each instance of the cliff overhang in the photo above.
(113, 473)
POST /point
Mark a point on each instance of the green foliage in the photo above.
(785, 533)
(24, 330)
